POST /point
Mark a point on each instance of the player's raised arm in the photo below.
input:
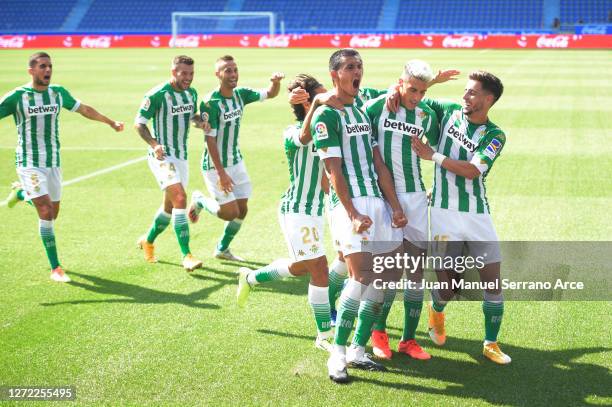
(92, 114)
(275, 81)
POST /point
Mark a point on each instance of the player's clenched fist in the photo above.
(277, 77)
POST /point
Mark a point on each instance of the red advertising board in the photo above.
(573, 41)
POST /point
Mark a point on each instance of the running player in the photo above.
(224, 171)
(36, 108)
(172, 105)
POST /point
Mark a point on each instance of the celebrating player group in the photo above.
(354, 153)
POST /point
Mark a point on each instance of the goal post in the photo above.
(196, 23)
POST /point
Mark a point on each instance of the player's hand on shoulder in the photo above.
(399, 219)
(393, 98)
(277, 77)
(329, 99)
(117, 126)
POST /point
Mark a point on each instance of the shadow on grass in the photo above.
(535, 376)
(135, 294)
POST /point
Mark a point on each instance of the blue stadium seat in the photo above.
(585, 11)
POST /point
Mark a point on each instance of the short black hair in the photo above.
(489, 82)
(335, 61)
(182, 59)
(34, 57)
(310, 85)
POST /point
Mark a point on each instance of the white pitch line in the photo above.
(89, 148)
(96, 173)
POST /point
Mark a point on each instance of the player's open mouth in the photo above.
(47, 77)
(356, 83)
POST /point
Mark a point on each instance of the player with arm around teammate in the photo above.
(468, 146)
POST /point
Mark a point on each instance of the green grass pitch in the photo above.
(129, 333)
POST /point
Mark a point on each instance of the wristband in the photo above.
(438, 158)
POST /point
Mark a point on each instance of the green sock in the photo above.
(436, 301)
(381, 322)
(277, 270)
(231, 228)
(48, 238)
(337, 275)
(493, 312)
(317, 297)
(369, 312)
(21, 195)
(347, 311)
(181, 228)
(160, 223)
(413, 303)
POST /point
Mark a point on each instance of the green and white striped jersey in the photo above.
(348, 131)
(394, 132)
(459, 139)
(36, 115)
(172, 112)
(366, 94)
(304, 195)
(224, 116)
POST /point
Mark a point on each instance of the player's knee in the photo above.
(242, 212)
(45, 211)
(229, 213)
(180, 201)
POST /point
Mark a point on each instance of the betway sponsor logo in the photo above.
(461, 138)
(408, 129)
(357, 129)
(12, 42)
(369, 41)
(278, 41)
(465, 41)
(558, 41)
(232, 115)
(180, 109)
(189, 41)
(43, 110)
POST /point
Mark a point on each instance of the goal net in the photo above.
(199, 23)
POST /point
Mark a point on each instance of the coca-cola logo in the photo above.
(369, 41)
(189, 41)
(102, 41)
(465, 41)
(558, 41)
(278, 41)
(12, 42)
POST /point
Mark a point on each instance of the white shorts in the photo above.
(37, 182)
(473, 230)
(334, 235)
(242, 183)
(169, 171)
(303, 234)
(414, 205)
(378, 239)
